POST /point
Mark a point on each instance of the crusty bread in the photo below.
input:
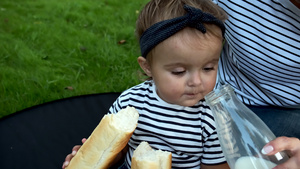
(106, 141)
(144, 157)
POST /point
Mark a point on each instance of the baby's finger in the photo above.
(67, 160)
(75, 149)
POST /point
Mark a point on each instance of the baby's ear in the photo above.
(144, 64)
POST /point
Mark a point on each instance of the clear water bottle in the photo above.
(241, 132)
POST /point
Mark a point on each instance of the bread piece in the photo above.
(144, 157)
(106, 141)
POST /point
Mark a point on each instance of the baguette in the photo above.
(106, 141)
(144, 157)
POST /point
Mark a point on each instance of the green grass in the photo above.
(46, 46)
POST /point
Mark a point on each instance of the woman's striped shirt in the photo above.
(261, 56)
(189, 133)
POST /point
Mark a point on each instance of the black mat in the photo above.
(42, 136)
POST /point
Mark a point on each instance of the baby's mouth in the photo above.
(192, 94)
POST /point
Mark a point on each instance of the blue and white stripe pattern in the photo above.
(261, 57)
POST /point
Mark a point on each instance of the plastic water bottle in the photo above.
(241, 132)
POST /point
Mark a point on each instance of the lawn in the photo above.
(56, 49)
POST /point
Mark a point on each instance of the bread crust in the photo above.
(104, 144)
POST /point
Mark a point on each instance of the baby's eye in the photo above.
(178, 72)
(208, 68)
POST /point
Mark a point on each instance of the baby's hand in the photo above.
(70, 156)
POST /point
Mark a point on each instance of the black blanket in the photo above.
(42, 136)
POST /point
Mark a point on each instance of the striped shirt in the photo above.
(189, 133)
(261, 56)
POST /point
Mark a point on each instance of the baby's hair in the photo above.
(159, 10)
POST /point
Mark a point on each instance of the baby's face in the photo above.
(184, 67)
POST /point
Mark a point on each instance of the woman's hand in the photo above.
(70, 156)
(291, 145)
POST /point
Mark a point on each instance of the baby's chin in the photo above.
(188, 103)
(184, 101)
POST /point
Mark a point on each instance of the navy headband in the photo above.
(164, 29)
